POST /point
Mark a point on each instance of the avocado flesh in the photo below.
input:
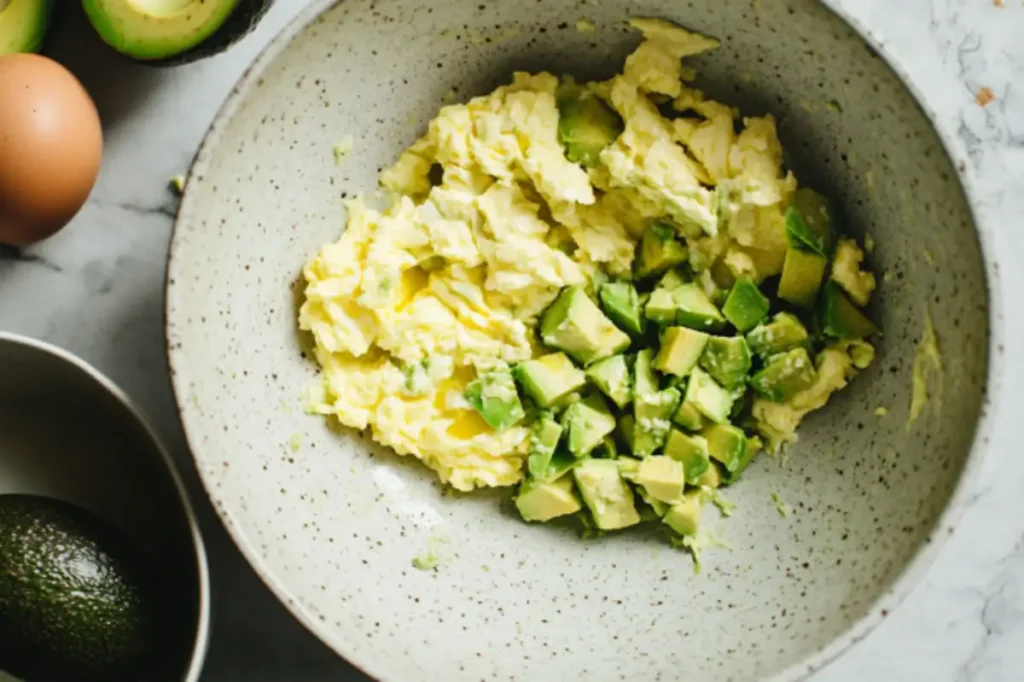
(541, 501)
(606, 494)
(621, 304)
(574, 324)
(784, 332)
(659, 250)
(802, 274)
(549, 378)
(809, 222)
(745, 306)
(493, 395)
(727, 359)
(157, 29)
(23, 25)
(76, 600)
(586, 423)
(611, 376)
(586, 126)
(784, 375)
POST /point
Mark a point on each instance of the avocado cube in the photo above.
(612, 377)
(549, 378)
(713, 401)
(686, 305)
(727, 359)
(587, 422)
(746, 307)
(727, 444)
(673, 279)
(574, 324)
(684, 516)
(784, 375)
(662, 477)
(654, 510)
(606, 494)
(661, 307)
(622, 305)
(840, 318)
(680, 350)
(543, 501)
(653, 414)
(545, 434)
(586, 126)
(783, 333)
(645, 380)
(659, 250)
(692, 451)
(494, 396)
(689, 417)
(809, 223)
(802, 273)
(712, 478)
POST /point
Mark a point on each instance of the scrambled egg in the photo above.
(448, 280)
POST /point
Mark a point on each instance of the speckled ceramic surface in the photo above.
(333, 523)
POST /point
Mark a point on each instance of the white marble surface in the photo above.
(97, 289)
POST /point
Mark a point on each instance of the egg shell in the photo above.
(51, 144)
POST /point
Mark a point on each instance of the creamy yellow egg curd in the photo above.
(613, 294)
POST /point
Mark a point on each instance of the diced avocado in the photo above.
(574, 324)
(662, 477)
(712, 478)
(784, 375)
(606, 494)
(549, 378)
(680, 350)
(494, 396)
(746, 307)
(156, 30)
(802, 273)
(727, 359)
(661, 307)
(622, 305)
(23, 25)
(658, 251)
(689, 417)
(587, 422)
(673, 279)
(783, 333)
(695, 309)
(545, 434)
(652, 408)
(624, 430)
(586, 126)
(543, 501)
(655, 508)
(653, 414)
(611, 375)
(684, 516)
(713, 401)
(686, 305)
(809, 223)
(692, 451)
(645, 380)
(840, 318)
(726, 444)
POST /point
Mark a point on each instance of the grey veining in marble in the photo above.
(97, 289)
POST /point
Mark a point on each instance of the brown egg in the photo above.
(50, 147)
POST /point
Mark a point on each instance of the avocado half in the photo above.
(23, 25)
(167, 32)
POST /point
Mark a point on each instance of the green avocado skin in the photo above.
(75, 603)
(241, 22)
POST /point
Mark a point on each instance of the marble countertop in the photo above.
(97, 290)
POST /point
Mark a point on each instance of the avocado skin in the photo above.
(75, 603)
(242, 21)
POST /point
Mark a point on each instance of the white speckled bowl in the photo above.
(333, 523)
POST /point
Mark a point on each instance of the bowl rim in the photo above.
(200, 646)
(924, 557)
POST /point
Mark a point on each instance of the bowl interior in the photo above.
(65, 435)
(334, 522)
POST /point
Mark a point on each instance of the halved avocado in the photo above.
(23, 25)
(174, 31)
